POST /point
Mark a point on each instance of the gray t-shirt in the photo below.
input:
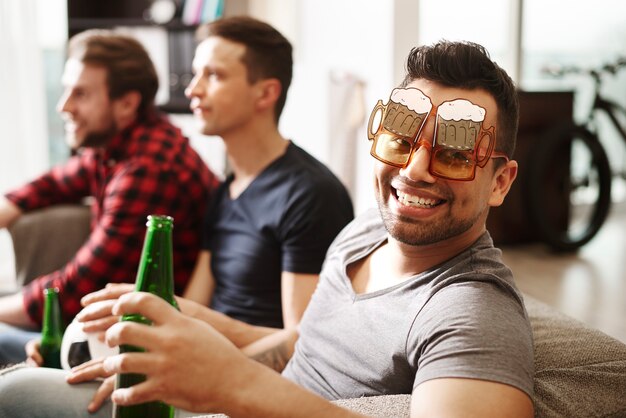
(464, 318)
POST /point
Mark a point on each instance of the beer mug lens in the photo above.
(452, 164)
(392, 148)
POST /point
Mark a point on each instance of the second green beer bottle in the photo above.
(155, 275)
(51, 330)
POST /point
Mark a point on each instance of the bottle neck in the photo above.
(156, 270)
(52, 313)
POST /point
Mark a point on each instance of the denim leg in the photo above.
(12, 341)
(37, 392)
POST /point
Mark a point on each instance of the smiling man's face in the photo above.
(419, 209)
(85, 106)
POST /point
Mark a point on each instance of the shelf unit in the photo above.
(174, 48)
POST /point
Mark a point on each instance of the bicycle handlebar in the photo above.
(561, 70)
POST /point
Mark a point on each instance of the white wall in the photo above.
(348, 36)
(22, 101)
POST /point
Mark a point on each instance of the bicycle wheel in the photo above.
(569, 187)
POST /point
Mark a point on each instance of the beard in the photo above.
(99, 138)
(415, 232)
(94, 138)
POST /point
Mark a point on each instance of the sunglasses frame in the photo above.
(416, 143)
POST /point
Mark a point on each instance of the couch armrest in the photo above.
(579, 371)
(44, 240)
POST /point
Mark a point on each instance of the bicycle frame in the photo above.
(610, 108)
(563, 223)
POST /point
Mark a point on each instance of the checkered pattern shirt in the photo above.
(149, 168)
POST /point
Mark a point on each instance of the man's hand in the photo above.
(33, 356)
(96, 316)
(187, 363)
(92, 370)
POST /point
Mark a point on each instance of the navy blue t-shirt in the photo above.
(285, 220)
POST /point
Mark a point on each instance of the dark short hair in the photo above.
(268, 53)
(468, 65)
(126, 61)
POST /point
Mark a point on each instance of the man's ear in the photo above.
(502, 182)
(127, 105)
(268, 93)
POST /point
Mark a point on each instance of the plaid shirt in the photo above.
(149, 168)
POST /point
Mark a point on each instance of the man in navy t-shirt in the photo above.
(275, 232)
(268, 229)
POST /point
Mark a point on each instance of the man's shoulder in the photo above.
(157, 129)
(365, 230)
(298, 162)
(304, 175)
(157, 144)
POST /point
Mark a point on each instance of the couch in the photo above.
(579, 371)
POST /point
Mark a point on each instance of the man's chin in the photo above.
(93, 140)
(206, 129)
(72, 142)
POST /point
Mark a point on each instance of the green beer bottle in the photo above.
(155, 275)
(52, 330)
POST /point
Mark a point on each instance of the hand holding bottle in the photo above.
(33, 356)
(187, 363)
(96, 315)
(154, 275)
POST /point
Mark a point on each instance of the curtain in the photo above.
(346, 116)
(23, 134)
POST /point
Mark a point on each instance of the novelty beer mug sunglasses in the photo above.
(459, 144)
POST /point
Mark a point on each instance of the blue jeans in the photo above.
(37, 392)
(12, 341)
(43, 393)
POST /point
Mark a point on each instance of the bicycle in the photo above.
(572, 163)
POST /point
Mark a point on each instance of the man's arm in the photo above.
(452, 397)
(202, 284)
(275, 350)
(12, 307)
(12, 311)
(189, 365)
(296, 291)
(196, 303)
(9, 212)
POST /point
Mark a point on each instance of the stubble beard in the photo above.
(416, 233)
(97, 139)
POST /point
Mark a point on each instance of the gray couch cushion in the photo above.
(44, 240)
(579, 371)
(379, 406)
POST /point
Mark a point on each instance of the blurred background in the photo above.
(348, 54)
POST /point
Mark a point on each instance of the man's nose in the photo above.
(63, 105)
(417, 167)
(193, 87)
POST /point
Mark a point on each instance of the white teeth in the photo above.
(416, 201)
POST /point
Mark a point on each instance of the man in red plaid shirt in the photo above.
(130, 160)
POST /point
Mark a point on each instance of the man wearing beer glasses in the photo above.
(436, 156)
(413, 298)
